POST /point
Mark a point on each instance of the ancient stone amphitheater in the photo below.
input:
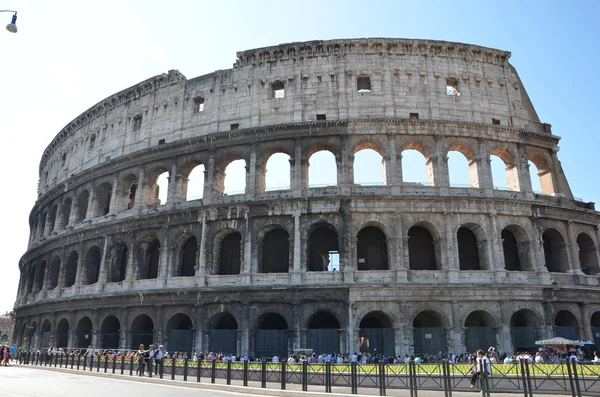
(394, 268)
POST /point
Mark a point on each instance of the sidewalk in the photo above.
(273, 389)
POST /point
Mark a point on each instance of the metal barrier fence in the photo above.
(524, 377)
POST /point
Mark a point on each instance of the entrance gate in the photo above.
(222, 340)
(377, 340)
(110, 340)
(567, 332)
(430, 340)
(61, 339)
(270, 342)
(180, 340)
(46, 339)
(141, 337)
(523, 338)
(323, 340)
(479, 338)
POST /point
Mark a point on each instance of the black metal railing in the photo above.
(567, 377)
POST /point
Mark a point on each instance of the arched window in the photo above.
(149, 267)
(272, 336)
(222, 333)
(322, 169)
(462, 167)
(505, 173)
(187, 266)
(421, 249)
(541, 174)
(66, 212)
(84, 333)
(415, 166)
(322, 333)
(230, 254)
(129, 188)
(512, 260)
(195, 183)
(82, 204)
(103, 196)
(180, 334)
(588, 255)
(54, 272)
(372, 249)
(109, 333)
(142, 331)
(369, 167)
(555, 251)
(275, 252)
(429, 333)
(376, 334)
(277, 172)
(479, 330)
(235, 178)
(323, 251)
(61, 337)
(52, 217)
(71, 268)
(91, 268)
(524, 330)
(468, 251)
(39, 277)
(162, 189)
(566, 325)
(118, 262)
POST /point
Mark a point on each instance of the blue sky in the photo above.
(69, 55)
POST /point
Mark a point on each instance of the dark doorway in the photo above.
(524, 331)
(566, 325)
(421, 249)
(222, 334)
(71, 269)
(84, 333)
(149, 267)
(511, 251)
(230, 254)
(39, 276)
(187, 266)
(322, 245)
(61, 336)
(555, 251)
(429, 334)
(82, 204)
(142, 331)
(468, 251)
(275, 252)
(272, 336)
(372, 249)
(588, 255)
(66, 213)
(180, 334)
(376, 334)
(322, 334)
(46, 334)
(92, 266)
(109, 333)
(479, 333)
(118, 261)
(54, 272)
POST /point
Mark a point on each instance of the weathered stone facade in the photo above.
(421, 268)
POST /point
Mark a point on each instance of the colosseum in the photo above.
(396, 267)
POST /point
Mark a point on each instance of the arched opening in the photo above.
(555, 251)
(272, 336)
(468, 251)
(462, 167)
(369, 168)
(421, 249)
(277, 172)
(43, 221)
(71, 268)
(54, 273)
(505, 173)
(180, 334)
(524, 330)
(230, 254)
(416, 168)
(223, 333)
(161, 189)
(322, 169)
(52, 217)
(429, 333)
(103, 196)
(187, 265)
(82, 205)
(118, 262)
(61, 336)
(512, 261)
(322, 334)
(275, 252)
(323, 251)
(110, 333)
(479, 332)
(91, 267)
(566, 325)
(588, 255)
(46, 335)
(142, 331)
(235, 178)
(84, 333)
(66, 212)
(541, 174)
(195, 184)
(595, 324)
(31, 279)
(376, 334)
(129, 188)
(151, 258)
(371, 249)
(39, 277)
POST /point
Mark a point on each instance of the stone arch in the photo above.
(414, 153)
(322, 247)
(158, 186)
(180, 333)
(275, 174)
(470, 155)
(510, 167)
(516, 247)
(376, 333)
(223, 333)
(479, 330)
(46, 334)
(43, 221)
(82, 205)
(40, 275)
(84, 332)
(555, 251)
(423, 247)
(71, 268)
(233, 177)
(525, 329)
(110, 333)
(103, 198)
(91, 265)
(566, 325)
(52, 217)
(429, 333)
(371, 249)
(370, 156)
(326, 172)
(187, 263)
(119, 254)
(471, 241)
(588, 254)
(229, 244)
(129, 188)
(54, 274)
(150, 250)
(66, 212)
(272, 335)
(142, 331)
(545, 171)
(61, 336)
(322, 334)
(193, 180)
(274, 250)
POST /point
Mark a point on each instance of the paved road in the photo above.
(29, 382)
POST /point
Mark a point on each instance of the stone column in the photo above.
(130, 273)
(505, 341)
(297, 265)
(497, 252)
(298, 183)
(124, 321)
(484, 170)
(251, 190)
(72, 331)
(399, 247)
(201, 269)
(393, 169)
(91, 208)
(74, 212)
(163, 262)
(199, 334)
(351, 344)
(141, 194)
(522, 164)
(114, 198)
(457, 332)
(439, 164)
(248, 247)
(103, 272)
(95, 329)
(586, 326)
(158, 325)
(573, 251)
(173, 192)
(598, 241)
(451, 248)
(58, 219)
(345, 166)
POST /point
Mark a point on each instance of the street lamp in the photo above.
(12, 26)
